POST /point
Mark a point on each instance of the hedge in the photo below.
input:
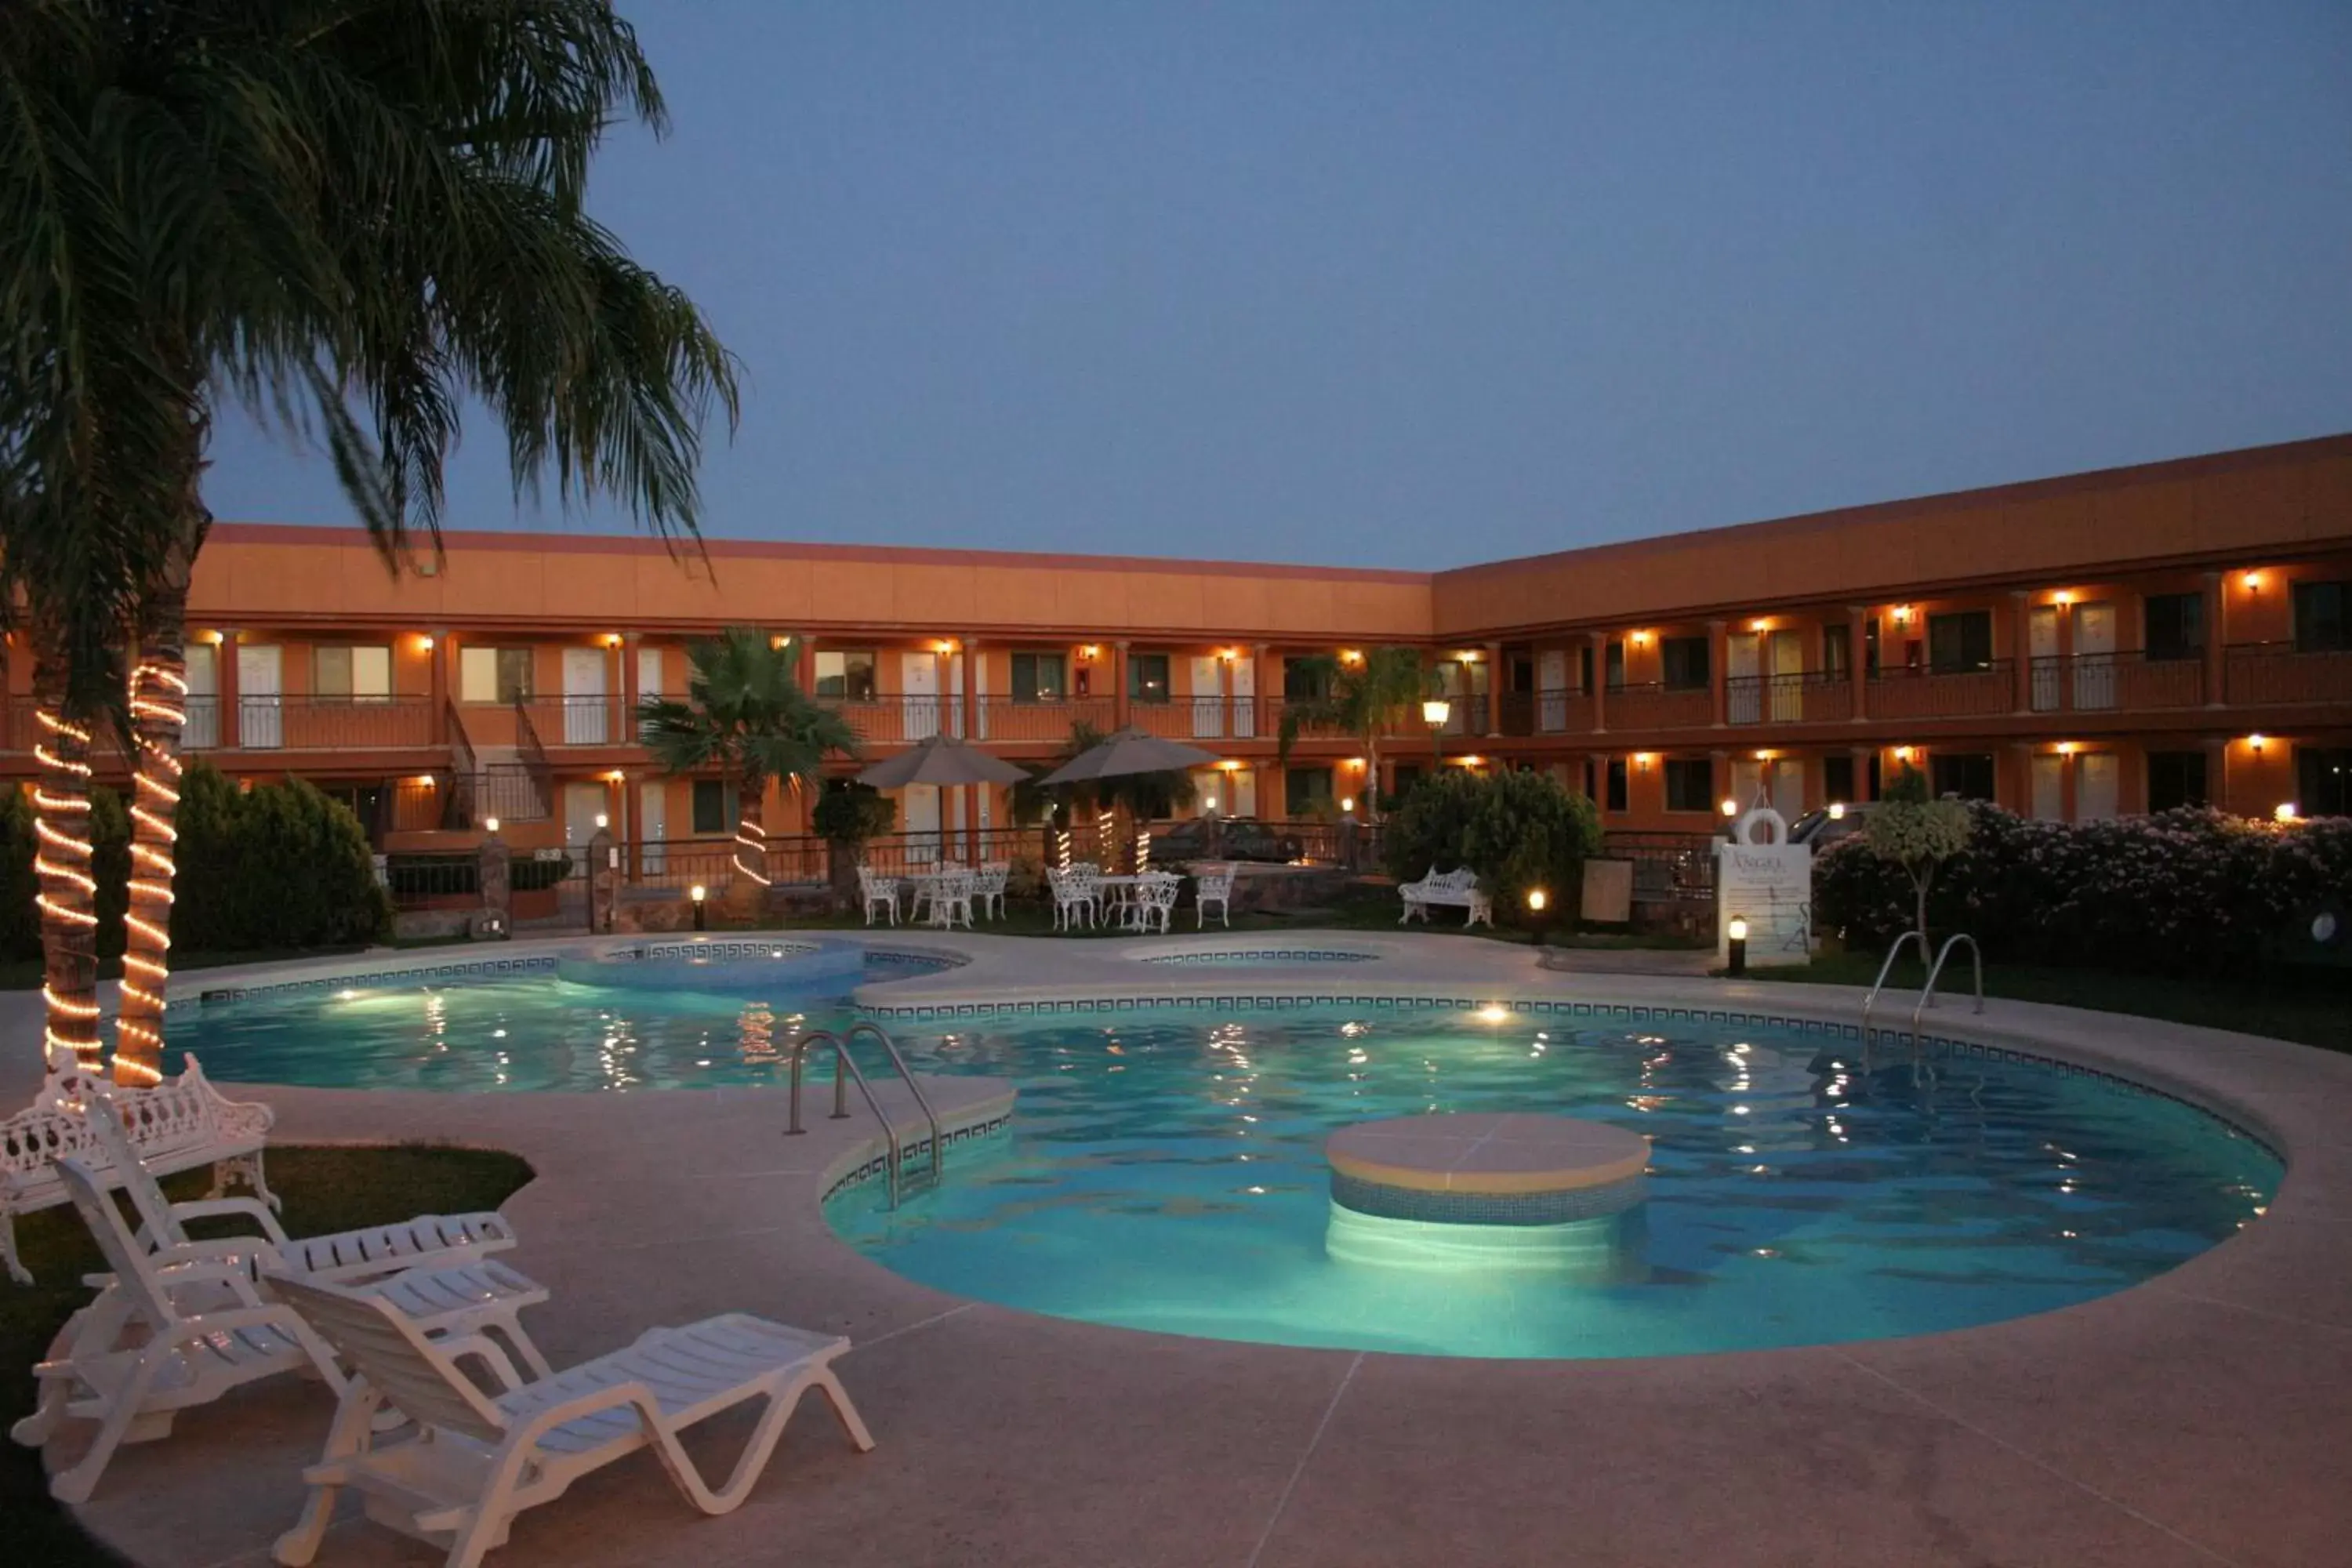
(278, 866)
(1517, 830)
(2191, 889)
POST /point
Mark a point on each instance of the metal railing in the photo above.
(1653, 705)
(1195, 718)
(425, 882)
(2127, 681)
(1924, 691)
(1049, 719)
(1870, 1003)
(2273, 673)
(1812, 696)
(1553, 712)
(1927, 991)
(1668, 867)
(845, 1072)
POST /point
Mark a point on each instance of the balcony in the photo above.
(280, 723)
(2270, 674)
(1803, 697)
(1046, 719)
(2111, 683)
(1309, 729)
(1926, 693)
(1196, 717)
(1561, 712)
(1653, 705)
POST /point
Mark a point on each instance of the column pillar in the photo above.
(444, 683)
(1857, 653)
(1718, 669)
(1263, 721)
(2020, 799)
(2022, 632)
(1719, 784)
(2216, 690)
(2217, 771)
(2065, 782)
(626, 652)
(1600, 691)
(231, 710)
(1226, 693)
(633, 826)
(2066, 684)
(1118, 685)
(1494, 689)
(972, 732)
(1862, 755)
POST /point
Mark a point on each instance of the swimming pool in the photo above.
(1166, 1168)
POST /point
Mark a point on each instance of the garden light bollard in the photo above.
(1739, 934)
(604, 878)
(494, 876)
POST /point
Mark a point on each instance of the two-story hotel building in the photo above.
(2078, 648)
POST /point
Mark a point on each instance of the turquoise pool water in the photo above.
(1167, 1172)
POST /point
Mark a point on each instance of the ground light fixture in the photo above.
(1538, 905)
(1837, 811)
(702, 917)
(2285, 811)
(1737, 932)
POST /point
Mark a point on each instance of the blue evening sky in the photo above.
(1421, 284)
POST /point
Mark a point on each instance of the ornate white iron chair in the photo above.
(1213, 885)
(876, 888)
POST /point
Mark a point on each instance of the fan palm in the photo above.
(1367, 697)
(1144, 797)
(745, 715)
(303, 206)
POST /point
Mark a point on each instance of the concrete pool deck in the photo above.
(2199, 1419)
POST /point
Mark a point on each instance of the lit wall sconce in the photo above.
(427, 781)
(1089, 652)
(1902, 615)
(216, 638)
(1760, 624)
(1470, 761)
(2253, 582)
(1641, 639)
(613, 639)
(1346, 804)
(1356, 762)
(491, 822)
(1766, 756)
(424, 643)
(1902, 753)
(944, 646)
(1351, 656)
(614, 775)
(2062, 597)
(2066, 748)
(1643, 760)
(2256, 742)
(1730, 808)
(602, 822)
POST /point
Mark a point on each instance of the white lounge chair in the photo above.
(876, 888)
(348, 1257)
(164, 1336)
(1215, 885)
(476, 1459)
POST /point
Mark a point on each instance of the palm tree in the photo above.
(746, 715)
(1144, 797)
(1371, 695)
(299, 204)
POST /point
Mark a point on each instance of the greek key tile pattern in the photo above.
(880, 1163)
(494, 968)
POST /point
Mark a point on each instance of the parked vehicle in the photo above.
(1235, 838)
(1823, 826)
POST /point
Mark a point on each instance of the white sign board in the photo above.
(1763, 879)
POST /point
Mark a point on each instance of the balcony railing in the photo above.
(279, 723)
(1655, 706)
(1926, 693)
(1802, 696)
(2269, 673)
(1195, 718)
(1048, 720)
(1560, 712)
(2126, 683)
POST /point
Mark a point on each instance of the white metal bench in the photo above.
(178, 1125)
(1457, 888)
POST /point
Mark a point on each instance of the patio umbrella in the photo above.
(1130, 752)
(941, 759)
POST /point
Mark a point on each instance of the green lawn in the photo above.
(2312, 1009)
(324, 1190)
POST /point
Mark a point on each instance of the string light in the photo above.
(749, 842)
(61, 860)
(158, 697)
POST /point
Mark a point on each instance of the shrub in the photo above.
(2192, 890)
(1918, 834)
(277, 865)
(851, 813)
(1516, 830)
(20, 917)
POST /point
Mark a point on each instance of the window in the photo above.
(494, 675)
(1967, 774)
(1588, 780)
(1616, 666)
(845, 674)
(1690, 783)
(1685, 663)
(1038, 677)
(1617, 789)
(1306, 682)
(1876, 764)
(1303, 789)
(1959, 642)
(352, 674)
(1869, 649)
(2176, 779)
(714, 807)
(2175, 625)
(2319, 618)
(1837, 656)
(1523, 673)
(2323, 782)
(1584, 667)
(1837, 779)
(1147, 681)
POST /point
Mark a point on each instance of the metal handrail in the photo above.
(844, 1071)
(1927, 993)
(1879, 984)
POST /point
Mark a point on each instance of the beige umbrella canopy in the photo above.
(940, 760)
(1130, 752)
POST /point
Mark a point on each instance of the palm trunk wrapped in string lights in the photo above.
(69, 893)
(159, 690)
(750, 840)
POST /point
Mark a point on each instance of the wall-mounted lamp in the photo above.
(2253, 582)
(427, 781)
(424, 643)
(612, 639)
(1730, 808)
(2062, 597)
(216, 638)
(1468, 762)
(491, 822)
(1902, 753)
(602, 822)
(1088, 652)
(1641, 639)
(1346, 804)
(944, 646)
(2066, 748)
(1643, 760)
(1766, 756)
(2256, 744)
(1351, 656)
(1760, 624)
(1902, 615)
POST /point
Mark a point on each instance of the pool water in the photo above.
(1167, 1172)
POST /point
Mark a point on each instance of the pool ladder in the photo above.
(1927, 992)
(845, 1073)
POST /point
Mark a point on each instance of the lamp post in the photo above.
(1435, 711)
(1737, 932)
(1538, 903)
(697, 893)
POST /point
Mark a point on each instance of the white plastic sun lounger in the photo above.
(163, 1337)
(473, 1460)
(428, 1241)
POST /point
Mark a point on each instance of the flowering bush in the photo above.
(2188, 889)
(1916, 834)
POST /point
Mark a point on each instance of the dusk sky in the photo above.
(1418, 285)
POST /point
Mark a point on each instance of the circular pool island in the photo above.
(1495, 1168)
